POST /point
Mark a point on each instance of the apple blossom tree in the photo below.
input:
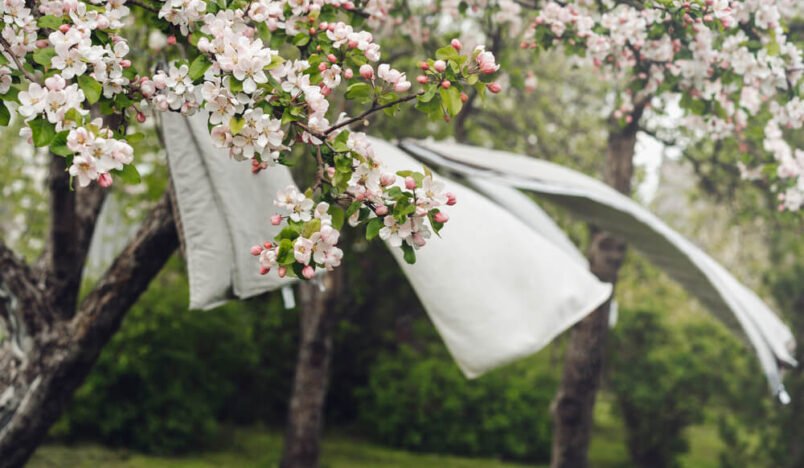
(730, 68)
(78, 76)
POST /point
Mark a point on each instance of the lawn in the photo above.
(261, 447)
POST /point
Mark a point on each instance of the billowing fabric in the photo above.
(732, 303)
(224, 209)
(496, 289)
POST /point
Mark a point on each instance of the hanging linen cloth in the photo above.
(739, 308)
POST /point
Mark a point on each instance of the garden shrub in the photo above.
(664, 377)
(417, 399)
(164, 379)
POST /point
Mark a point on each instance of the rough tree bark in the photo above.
(306, 410)
(48, 344)
(572, 410)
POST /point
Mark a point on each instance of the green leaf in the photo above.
(387, 98)
(91, 88)
(236, 124)
(42, 131)
(74, 115)
(311, 227)
(452, 100)
(301, 40)
(358, 90)
(235, 85)
(428, 94)
(284, 256)
(59, 144)
(343, 164)
(353, 208)
(340, 142)
(773, 48)
(43, 56)
(338, 216)
(49, 21)
(129, 174)
(5, 115)
(276, 60)
(134, 138)
(373, 227)
(288, 232)
(446, 53)
(408, 254)
(198, 67)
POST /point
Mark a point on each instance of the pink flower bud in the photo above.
(410, 183)
(424, 66)
(268, 245)
(105, 180)
(367, 72)
(331, 172)
(125, 63)
(456, 44)
(441, 217)
(446, 84)
(418, 239)
(171, 40)
(494, 87)
(140, 117)
(387, 179)
(421, 79)
(276, 220)
(348, 5)
(282, 271)
(464, 97)
(325, 90)
(323, 26)
(256, 250)
(64, 28)
(440, 65)
(451, 198)
(264, 270)
(322, 66)
(381, 210)
(308, 272)
(332, 58)
(348, 73)
(42, 43)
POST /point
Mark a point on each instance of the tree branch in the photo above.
(16, 60)
(18, 281)
(373, 109)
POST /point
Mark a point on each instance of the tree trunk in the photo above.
(306, 410)
(573, 407)
(47, 347)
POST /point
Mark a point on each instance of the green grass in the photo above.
(259, 447)
(243, 448)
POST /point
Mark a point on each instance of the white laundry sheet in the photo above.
(224, 209)
(732, 303)
(495, 288)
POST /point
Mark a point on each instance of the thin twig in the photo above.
(143, 6)
(16, 60)
(371, 111)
